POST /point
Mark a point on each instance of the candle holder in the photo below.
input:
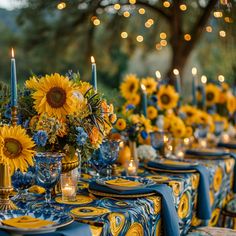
(14, 118)
(68, 186)
(5, 189)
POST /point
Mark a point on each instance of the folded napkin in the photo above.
(227, 145)
(27, 222)
(169, 214)
(122, 182)
(206, 152)
(203, 201)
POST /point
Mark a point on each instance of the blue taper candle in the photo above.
(194, 86)
(178, 85)
(144, 100)
(94, 73)
(13, 81)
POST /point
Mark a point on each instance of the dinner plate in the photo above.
(175, 163)
(170, 170)
(119, 185)
(60, 219)
(208, 152)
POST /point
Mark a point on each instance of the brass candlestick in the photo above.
(5, 188)
(14, 118)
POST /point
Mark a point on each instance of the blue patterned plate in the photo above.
(141, 182)
(60, 219)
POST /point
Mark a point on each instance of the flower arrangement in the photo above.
(146, 152)
(62, 113)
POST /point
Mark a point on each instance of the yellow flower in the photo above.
(54, 95)
(32, 83)
(94, 136)
(231, 104)
(84, 87)
(134, 99)
(151, 112)
(120, 124)
(129, 86)
(150, 84)
(212, 94)
(225, 86)
(112, 118)
(167, 97)
(18, 148)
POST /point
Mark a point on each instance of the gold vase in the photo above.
(69, 163)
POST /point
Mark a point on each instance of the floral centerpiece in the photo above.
(64, 114)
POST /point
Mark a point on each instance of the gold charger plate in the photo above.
(102, 194)
(80, 199)
(170, 171)
(89, 211)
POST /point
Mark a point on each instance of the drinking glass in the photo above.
(96, 161)
(201, 134)
(47, 173)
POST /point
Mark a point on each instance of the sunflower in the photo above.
(17, 149)
(167, 97)
(121, 124)
(188, 131)
(190, 112)
(231, 104)
(129, 86)
(212, 94)
(150, 84)
(55, 96)
(151, 112)
(134, 99)
(32, 83)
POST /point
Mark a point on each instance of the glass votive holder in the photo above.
(68, 187)
(131, 168)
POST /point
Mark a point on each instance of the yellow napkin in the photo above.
(36, 189)
(123, 182)
(27, 222)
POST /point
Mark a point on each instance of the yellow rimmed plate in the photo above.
(80, 200)
(89, 211)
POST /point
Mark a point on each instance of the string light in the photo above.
(204, 79)
(209, 29)
(194, 71)
(132, 1)
(126, 14)
(147, 24)
(221, 78)
(96, 22)
(183, 7)
(117, 6)
(218, 14)
(139, 38)
(228, 19)
(176, 71)
(166, 4)
(141, 11)
(158, 46)
(124, 35)
(187, 37)
(61, 5)
(163, 35)
(163, 43)
(222, 34)
(151, 21)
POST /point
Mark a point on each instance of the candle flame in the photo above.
(12, 53)
(176, 72)
(194, 71)
(158, 74)
(204, 79)
(92, 59)
(143, 87)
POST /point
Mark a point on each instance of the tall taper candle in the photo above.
(94, 73)
(204, 81)
(178, 85)
(144, 100)
(13, 81)
(194, 86)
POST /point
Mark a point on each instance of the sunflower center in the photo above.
(12, 148)
(210, 96)
(56, 97)
(165, 99)
(189, 113)
(131, 87)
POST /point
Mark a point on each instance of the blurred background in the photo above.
(130, 36)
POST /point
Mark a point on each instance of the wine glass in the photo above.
(96, 161)
(22, 181)
(47, 173)
(109, 150)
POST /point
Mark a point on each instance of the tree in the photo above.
(70, 26)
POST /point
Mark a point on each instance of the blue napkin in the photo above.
(203, 201)
(75, 228)
(195, 152)
(227, 145)
(169, 214)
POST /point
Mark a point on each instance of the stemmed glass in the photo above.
(21, 181)
(48, 170)
(109, 150)
(96, 161)
(201, 133)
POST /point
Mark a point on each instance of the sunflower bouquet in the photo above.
(62, 113)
